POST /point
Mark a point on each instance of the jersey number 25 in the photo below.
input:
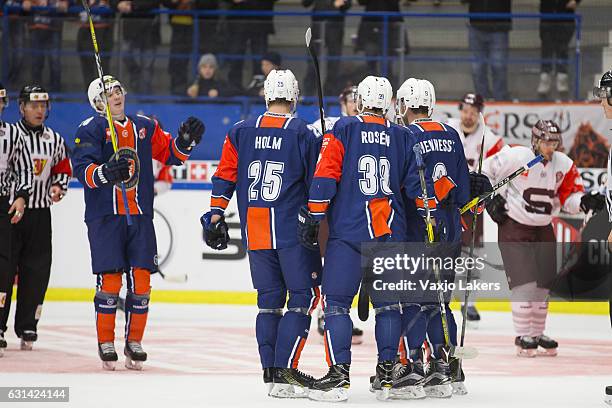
(271, 180)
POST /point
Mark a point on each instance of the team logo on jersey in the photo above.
(125, 133)
(46, 136)
(142, 133)
(314, 275)
(132, 157)
(39, 166)
(156, 260)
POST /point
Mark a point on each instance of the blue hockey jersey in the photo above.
(139, 140)
(364, 165)
(446, 167)
(269, 161)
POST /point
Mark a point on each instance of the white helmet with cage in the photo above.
(95, 90)
(374, 93)
(281, 84)
(415, 93)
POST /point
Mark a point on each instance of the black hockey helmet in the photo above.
(4, 95)
(474, 99)
(34, 93)
(604, 88)
(348, 93)
(546, 130)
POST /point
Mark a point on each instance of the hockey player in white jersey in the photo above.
(348, 107)
(469, 126)
(524, 212)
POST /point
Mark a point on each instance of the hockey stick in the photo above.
(109, 117)
(480, 199)
(315, 61)
(459, 352)
(468, 276)
(180, 278)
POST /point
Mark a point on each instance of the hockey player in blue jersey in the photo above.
(446, 167)
(117, 248)
(269, 162)
(357, 184)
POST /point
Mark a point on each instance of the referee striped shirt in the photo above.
(15, 163)
(609, 186)
(50, 162)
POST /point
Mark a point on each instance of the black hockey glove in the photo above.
(215, 234)
(592, 201)
(479, 184)
(115, 171)
(497, 209)
(190, 133)
(308, 229)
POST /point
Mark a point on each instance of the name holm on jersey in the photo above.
(268, 142)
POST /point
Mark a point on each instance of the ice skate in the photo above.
(28, 337)
(473, 317)
(608, 398)
(134, 355)
(526, 346)
(2, 344)
(268, 378)
(108, 355)
(408, 381)
(458, 377)
(291, 383)
(381, 383)
(437, 383)
(546, 346)
(334, 386)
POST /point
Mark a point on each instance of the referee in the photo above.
(15, 181)
(31, 248)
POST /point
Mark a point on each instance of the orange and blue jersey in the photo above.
(269, 161)
(139, 140)
(363, 167)
(446, 167)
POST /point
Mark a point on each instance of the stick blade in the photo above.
(363, 304)
(465, 352)
(308, 37)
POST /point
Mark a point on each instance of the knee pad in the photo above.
(139, 281)
(106, 302)
(109, 282)
(138, 304)
(303, 301)
(271, 300)
(336, 305)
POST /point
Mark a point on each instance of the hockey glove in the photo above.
(497, 209)
(592, 201)
(479, 184)
(215, 234)
(114, 171)
(190, 133)
(308, 229)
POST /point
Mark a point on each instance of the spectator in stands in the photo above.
(371, 34)
(181, 40)
(326, 31)
(207, 84)
(141, 34)
(248, 30)
(46, 39)
(17, 42)
(488, 39)
(103, 17)
(556, 36)
(270, 60)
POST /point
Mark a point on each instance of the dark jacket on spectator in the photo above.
(554, 7)
(140, 22)
(205, 85)
(266, 25)
(190, 5)
(326, 5)
(381, 5)
(45, 20)
(101, 14)
(490, 6)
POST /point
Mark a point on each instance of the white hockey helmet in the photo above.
(281, 84)
(374, 93)
(415, 93)
(95, 90)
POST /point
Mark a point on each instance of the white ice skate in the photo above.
(290, 383)
(333, 395)
(526, 346)
(459, 388)
(108, 355)
(546, 346)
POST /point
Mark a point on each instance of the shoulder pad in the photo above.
(86, 121)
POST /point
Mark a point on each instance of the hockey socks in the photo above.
(266, 329)
(388, 331)
(137, 303)
(291, 338)
(105, 303)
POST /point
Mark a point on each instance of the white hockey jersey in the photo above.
(471, 143)
(537, 195)
(609, 186)
(330, 121)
